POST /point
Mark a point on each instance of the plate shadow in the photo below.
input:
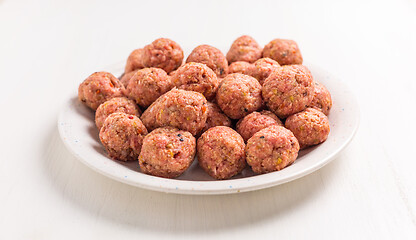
(143, 210)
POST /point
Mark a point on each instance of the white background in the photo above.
(48, 47)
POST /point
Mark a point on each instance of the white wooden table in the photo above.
(48, 47)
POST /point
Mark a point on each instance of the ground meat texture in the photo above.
(147, 85)
(98, 88)
(271, 149)
(125, 78)
(310, 127)
(321, 99)
(255, 122)
(172, 73)
(210, 56)
(262, 69)
(186, 110)
(216, 117)
(283, 51)
(167, 152)
(244, 48)
(238, 95)
(122, 135)
(288, 90)
(163, 53)
(272, 115)
(118, 104)
(241, 67)
(196, 77)
(221, 152)
(134, 61)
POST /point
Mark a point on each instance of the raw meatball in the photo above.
(122, 135)
(271, 149)
(98, 88)
(172, 73)
(288, 90)
(238, 95)
(215, 117)
(244, 48)
(310, 127)
(270, 114)
(126, 77)
(134, 61)
(283, 51)
(118, 104)
(255, 122)
(263, 68)
(167, 152)
(196, 77)
(147, 85)
(321, 98)
(221, 152)
(241, 67)
(210, 56)
(186, 110)
(163, 53)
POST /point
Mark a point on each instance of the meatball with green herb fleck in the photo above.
(310, 127)
(220, 152)
(163, 53)
(284, 51)
(241, 67)
(262, 69)
(122, 136)
(118, 104)
(244, 48)
(238, 95)
(255, 122)
(98, 88)
(196, 77)
(167, 152)
(288, 90)
(210, 56)
(186, 110)
(271, 149)
(321, 100)
(216, 117)
(147, 84)
(125, 78)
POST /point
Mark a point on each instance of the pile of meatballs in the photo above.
(256, 106)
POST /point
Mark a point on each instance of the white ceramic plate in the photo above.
(78, 132)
